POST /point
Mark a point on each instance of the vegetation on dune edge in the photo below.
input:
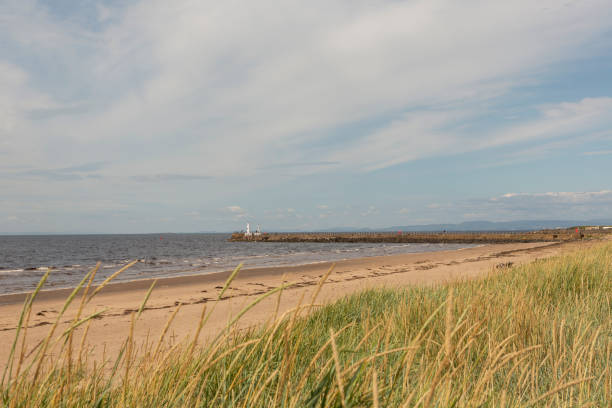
(533, 335)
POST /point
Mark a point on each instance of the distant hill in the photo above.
(522, 225)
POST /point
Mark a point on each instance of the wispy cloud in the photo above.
(71, 173)
(294, 106)
(83, 168)
(235, 209)
(560, 197)
(169, 178)
(299, 164)
(237, 213)
(371, 210)
(236, 86)
(545, 205)
(598, 153)
(425, 134)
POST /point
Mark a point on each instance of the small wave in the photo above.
(11, 270)
(339, 251)
(69, 267)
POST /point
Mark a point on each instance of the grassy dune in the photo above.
(535, 335)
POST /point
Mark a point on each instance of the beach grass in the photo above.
(534, 335)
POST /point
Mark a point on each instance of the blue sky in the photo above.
(149, 116)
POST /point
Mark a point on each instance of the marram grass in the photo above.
(536, 335)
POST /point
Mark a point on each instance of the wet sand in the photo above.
(192, 293)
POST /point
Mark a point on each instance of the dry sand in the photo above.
(193, 292)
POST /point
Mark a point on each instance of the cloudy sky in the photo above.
(183, 115)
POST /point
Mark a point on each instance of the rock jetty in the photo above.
(421, 237)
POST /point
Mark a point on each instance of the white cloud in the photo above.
(546, 205)
(423, 134)
(17, 100)
(371, 210)
(252, 95)
(236, 79)
(578, 119)
(235, 209)
(598, 153)
(416, 135)
(172, 178)
(561, 196)
(237, 213)
(552, 205)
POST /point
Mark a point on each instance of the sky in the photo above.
(185, 116)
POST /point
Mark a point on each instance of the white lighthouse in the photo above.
(248, 233)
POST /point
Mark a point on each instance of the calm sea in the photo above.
(24, 259)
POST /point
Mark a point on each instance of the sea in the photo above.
(25, 259)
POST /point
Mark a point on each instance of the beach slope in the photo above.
(191, 293)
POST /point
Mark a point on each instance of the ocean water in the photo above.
(25, 259)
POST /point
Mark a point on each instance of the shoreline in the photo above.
(174, 268)
(222, 275)
(192, 293)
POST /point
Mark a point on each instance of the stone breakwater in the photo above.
(421, 237)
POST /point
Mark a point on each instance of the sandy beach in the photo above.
(192, 293)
